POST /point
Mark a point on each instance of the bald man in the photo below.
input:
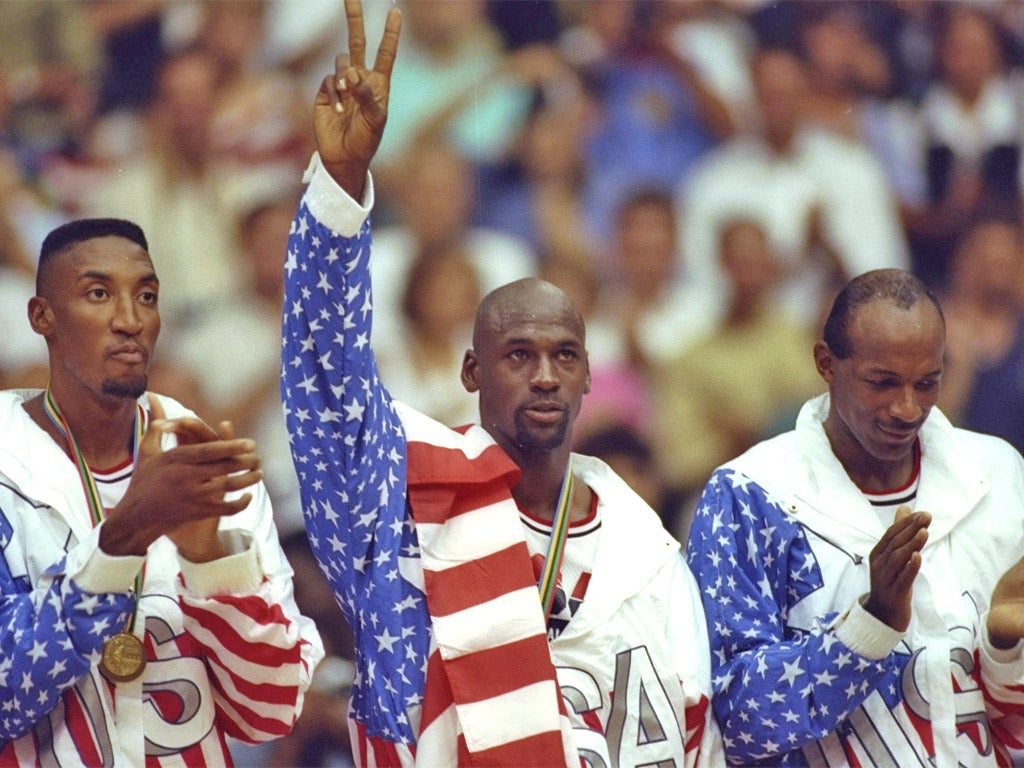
(499, 587)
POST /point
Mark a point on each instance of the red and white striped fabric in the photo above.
(491, 694)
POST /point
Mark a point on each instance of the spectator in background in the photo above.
(534, 192)
(971, 130)
(823, 198)
(177, 192)
(658, 309)
(655, 114)
(739, 380)
(49, 64)
(245, 332)
(434, 206)
(130, 33)
(983, 382)
(439, 301)
(258, 118)
(449, 48)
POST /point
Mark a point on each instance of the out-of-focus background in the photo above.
(700, 175)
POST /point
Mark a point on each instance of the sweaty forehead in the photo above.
(531, 309)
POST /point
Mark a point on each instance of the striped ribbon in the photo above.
(556, 546)
(92, 494)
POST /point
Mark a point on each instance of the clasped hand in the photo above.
(181, 492)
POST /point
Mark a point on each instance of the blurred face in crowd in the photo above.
(989, 265)
(747, 259)
(646, 237)
(440, 24)
(529, 364)
(883, 391)
(437, 193)
(185, 102)
(442, 295)
(969, 52)
(780, 85)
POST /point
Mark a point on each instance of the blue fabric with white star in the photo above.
(349, 451)
(47, 647)
(776, 687)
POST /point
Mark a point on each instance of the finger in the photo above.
(902, 513)
(385, 60)
(362, 92)
(904, 580)
(191, 430)
(909, 540)
(356, 33)
(329, 94)
(156, 408)
(236, 482)
(226, 430)
(903, 530)
(212, 452)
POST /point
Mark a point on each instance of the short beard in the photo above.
(527, 439)
(127, 388)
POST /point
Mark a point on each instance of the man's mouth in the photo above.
(130, 354)
(546, 412)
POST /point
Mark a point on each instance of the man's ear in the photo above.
(586, 381)
(470, 371)
(40, 316)
(824, 361)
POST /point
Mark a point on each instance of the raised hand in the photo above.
(351, 106)
(1006, 611)
(895, 562)
(180, 491)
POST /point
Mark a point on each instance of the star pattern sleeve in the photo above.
(349, 451)
(50, 635)
(776, 688)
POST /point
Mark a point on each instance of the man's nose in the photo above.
(126, 317)
(544, 374)
(906, 407)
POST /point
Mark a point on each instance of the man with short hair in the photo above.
(513, 604)
(862, 574)
(147, 609)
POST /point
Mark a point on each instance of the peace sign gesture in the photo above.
(351, 106)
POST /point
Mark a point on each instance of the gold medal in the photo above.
(124, 658)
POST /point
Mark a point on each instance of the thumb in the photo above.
(156, 408)
(902, 513)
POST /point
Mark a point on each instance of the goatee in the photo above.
(130, 388)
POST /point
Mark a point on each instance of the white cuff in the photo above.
(864, 634)
(333, 206)
(94, 571)
(237, 573)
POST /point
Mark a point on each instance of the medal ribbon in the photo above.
(556, 545)
(92, 495)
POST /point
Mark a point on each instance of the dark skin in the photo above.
(529, 364)
(98, 314)
(349, 115)
(880, 397)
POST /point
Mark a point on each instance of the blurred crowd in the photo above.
(700, 175)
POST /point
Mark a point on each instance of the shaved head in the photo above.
(524, 301)
(529, 364)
